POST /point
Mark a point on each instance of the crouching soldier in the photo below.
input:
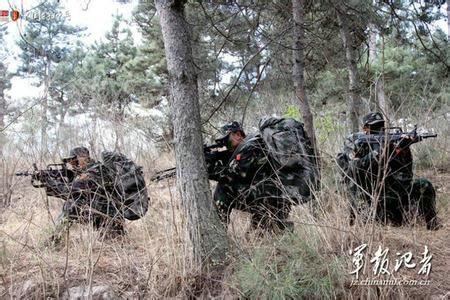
(377, 168)
(256, 178)
(85, 196)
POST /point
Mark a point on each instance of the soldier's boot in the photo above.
(424, 194)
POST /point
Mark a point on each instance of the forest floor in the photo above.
(149, 262)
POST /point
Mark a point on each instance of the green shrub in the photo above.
(292, 112)
(291, 268)
(327, 126)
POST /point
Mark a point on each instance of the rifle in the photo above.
(398, 139)
(39, 178)
(209, 158)
(167, 173)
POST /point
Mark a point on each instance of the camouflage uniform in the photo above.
(245, 182)
(371, 171)
(86, 200)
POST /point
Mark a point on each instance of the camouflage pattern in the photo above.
(247, 183)
(386, 171)
(124, 181)
(232, 127)
(372, 118)
(292, 156)
(86, 201)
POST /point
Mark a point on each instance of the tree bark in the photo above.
(372, 60)
(118, 130)
(62, 111)
(380, 96)
(372, 43)
(5, 178)
(298, 69)
(92, 140)
(2, 118)
(207, 242)
(448, 20)
(44, 120)
(354, 99)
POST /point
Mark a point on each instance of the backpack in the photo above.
(126, 184)
(291, 154)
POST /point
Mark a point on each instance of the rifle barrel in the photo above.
(167, 173)
(425, 136)
(23, 174)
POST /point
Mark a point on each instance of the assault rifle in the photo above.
(39, 178)
(210, 156)
(398, 139)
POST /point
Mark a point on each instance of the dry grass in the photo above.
(149, 261)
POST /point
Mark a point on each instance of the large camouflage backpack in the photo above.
(292, 155)
(126, 184)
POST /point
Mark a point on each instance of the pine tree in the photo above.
(46, 42)
(62, 89)
(5, 83)
(105, 83)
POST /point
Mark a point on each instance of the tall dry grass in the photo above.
(149, 262)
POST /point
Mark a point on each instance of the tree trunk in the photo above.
(92, 140)
(372, 43)
(379, 89)
(2, 118)
(448, 20)
(207, 242)
(354, 100)
(380, 96)
(118, 130)
(62, 116)
(44, 120)
(372, 60)
(5, 177)
(298, 70)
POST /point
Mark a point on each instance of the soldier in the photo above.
(85, 196)
(217, 164)
(244, 181)
(216, 161)
(383, 174)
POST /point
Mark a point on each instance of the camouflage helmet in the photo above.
(373, 118)
(77, 151)
(232, 127)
